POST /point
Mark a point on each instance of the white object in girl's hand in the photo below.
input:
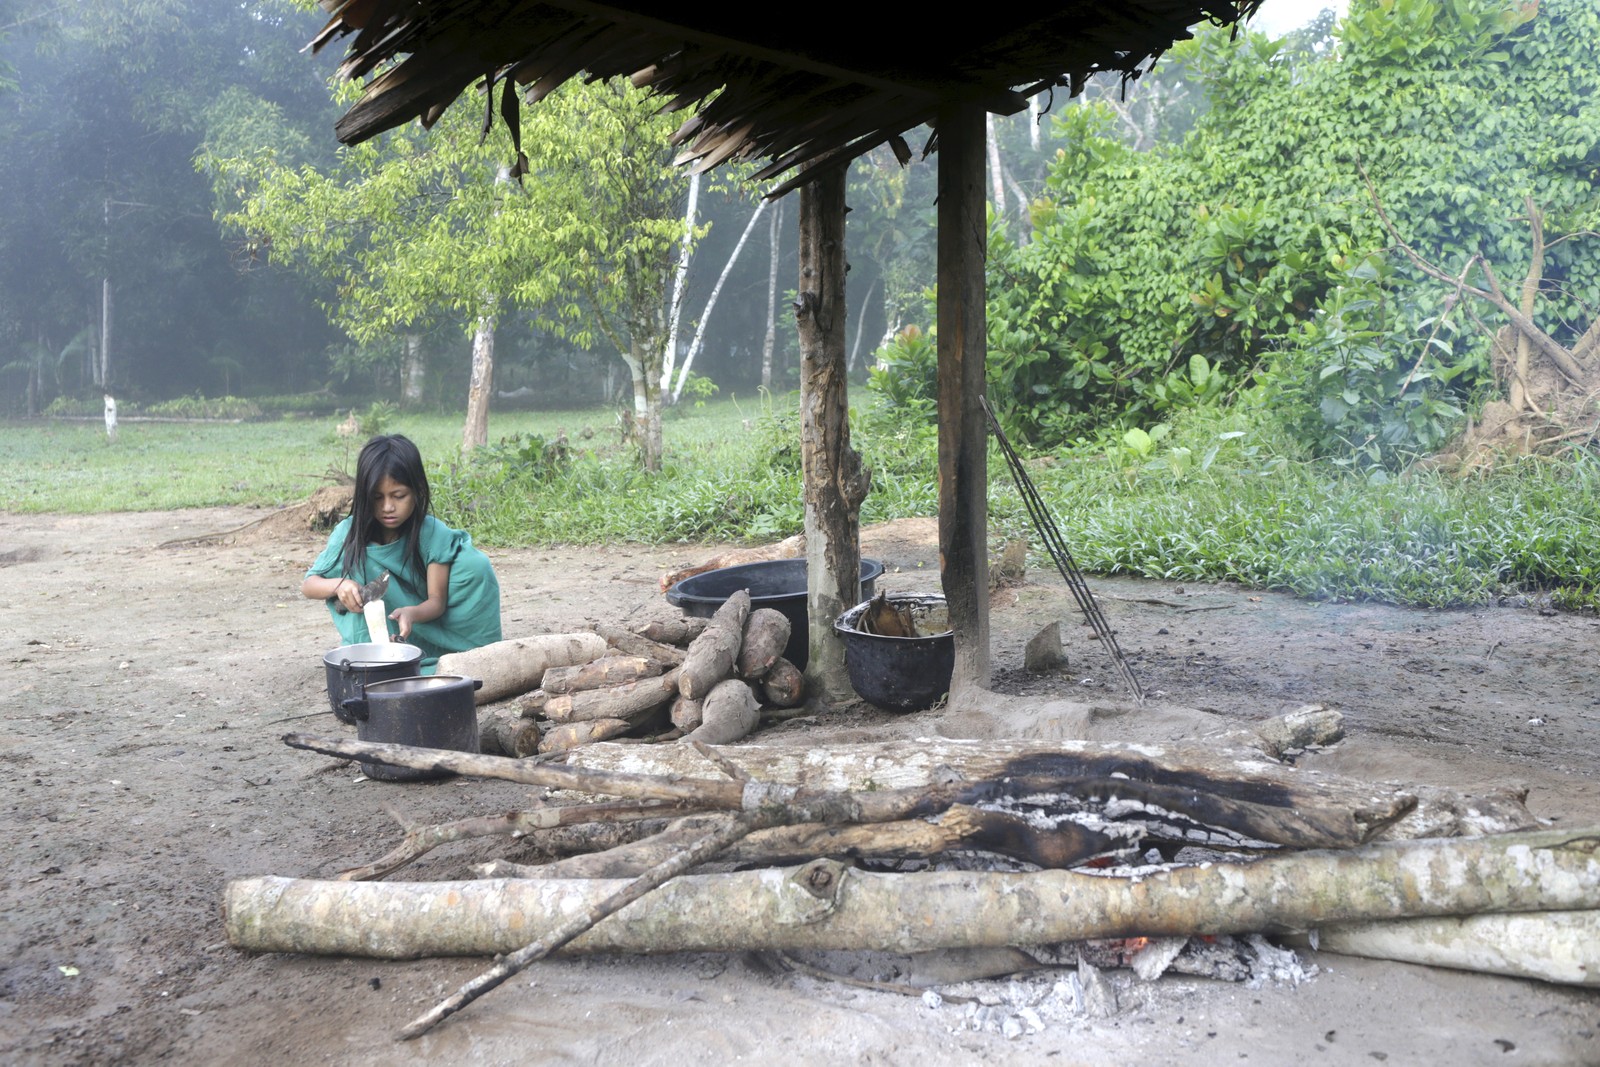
(377, 621)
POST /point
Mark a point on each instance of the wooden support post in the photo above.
(963, 434)
(835, 482)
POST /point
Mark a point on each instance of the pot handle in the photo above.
(477, 684)
(352, 709)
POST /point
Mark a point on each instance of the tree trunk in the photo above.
(825, 905)
(997, 180)
(963, 433)
(103, 376)
(476, 430)
(835, 481)
(711, 302)
(680, 279)
(861, 325)
(412, 370)
(771, 338)
(646, 410)
(1518, 393)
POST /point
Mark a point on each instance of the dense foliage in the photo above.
(1249, 260)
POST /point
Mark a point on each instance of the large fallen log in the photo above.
(1237, 814)
(825, 905)
(509, 668)
(1380, 812)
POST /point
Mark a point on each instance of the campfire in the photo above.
(1074, 855)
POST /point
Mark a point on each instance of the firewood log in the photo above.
(961, 827)
(1556, 946)
(508, 668)
(572, 734)
(631, 700)
(712, 655)
(825, 905)
(765, 634)
(634, 645)
(505, 732)
(687, 714)
(532, 705)
(600, 674)
(784, 686)
(730, 713)
(678, 630)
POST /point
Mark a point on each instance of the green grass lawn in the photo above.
(732, 472)
(72, 467)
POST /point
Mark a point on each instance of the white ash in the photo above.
(1126, 818)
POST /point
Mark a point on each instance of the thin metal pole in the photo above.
(1056, 545)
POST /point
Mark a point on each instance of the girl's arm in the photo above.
(346, 590)
(430, 609)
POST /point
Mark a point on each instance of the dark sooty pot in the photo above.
(350, 667)
(434, 712)
(901, 673)
(777, 583)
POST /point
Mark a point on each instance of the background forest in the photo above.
(1248, 228)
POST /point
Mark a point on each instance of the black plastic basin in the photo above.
(778, 583)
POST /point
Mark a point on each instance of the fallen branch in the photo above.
(420, 840)
(704, 849)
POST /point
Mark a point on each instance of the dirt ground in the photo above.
(147, 689)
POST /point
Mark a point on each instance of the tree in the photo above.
(420, 224)
(613, 218)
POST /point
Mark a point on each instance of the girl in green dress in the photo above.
(443, 591)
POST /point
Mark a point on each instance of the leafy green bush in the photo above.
(1360, 387)
(183, 407)
(905, 374)
(318, 403)
(1229, 245)
(200, 407)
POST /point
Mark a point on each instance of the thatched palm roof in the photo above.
(789, 84)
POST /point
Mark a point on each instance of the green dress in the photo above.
(472, 606)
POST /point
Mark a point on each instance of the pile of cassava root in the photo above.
(698, 679)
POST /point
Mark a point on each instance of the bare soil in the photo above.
(147, 689)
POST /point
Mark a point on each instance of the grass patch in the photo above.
(1239, 506)
(72, 467)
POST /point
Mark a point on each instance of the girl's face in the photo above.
(392, 505)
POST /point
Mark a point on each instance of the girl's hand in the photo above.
(349, 595)
(402, 616)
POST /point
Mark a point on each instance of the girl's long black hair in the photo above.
(387, 456)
